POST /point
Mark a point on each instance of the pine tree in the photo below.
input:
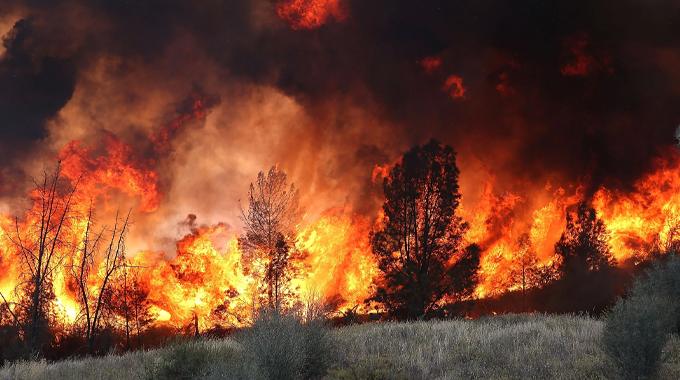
(418, 247)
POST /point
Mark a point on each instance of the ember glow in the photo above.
(310, 14)
(173, 112)
(454, 86)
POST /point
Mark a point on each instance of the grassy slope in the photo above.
(510, 346)
(501, 347)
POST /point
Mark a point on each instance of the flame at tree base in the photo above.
(207, 281)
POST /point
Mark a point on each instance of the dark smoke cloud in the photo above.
(605, 124)
(34, 86)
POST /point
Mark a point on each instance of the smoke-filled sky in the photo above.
(525, 91)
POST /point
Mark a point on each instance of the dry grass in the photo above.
(128, 366)
(500, 347)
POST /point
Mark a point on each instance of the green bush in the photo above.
(637, 328)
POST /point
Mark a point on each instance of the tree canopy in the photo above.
(418, 247)
(584, 245)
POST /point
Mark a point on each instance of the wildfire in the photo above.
(431, 64)
(199, 278)
(196, 106)
(207, 281)
(202, 276)
(635, 219)
(339, 256)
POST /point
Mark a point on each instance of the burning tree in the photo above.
(588, 277)
(418, 247)
(42, 242)
(666, 241)
(129, 300)
(524, 270)
(92, 262)
(269, 243)
(584, 245)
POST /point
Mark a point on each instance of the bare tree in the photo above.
(270, 222)
(129, 300)
(42, 243)
(92, 261)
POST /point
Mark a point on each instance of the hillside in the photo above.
(498, 347)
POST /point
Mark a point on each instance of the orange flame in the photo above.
(197, 280)
(202, 276)
(339, 256)
(118, 169)
(583, 63)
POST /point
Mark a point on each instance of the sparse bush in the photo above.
(638, 328)
(292, 344)
(319, 345)
(662, 279)
(635, 334)
(233, 363)
(531, 347)
(276, 340)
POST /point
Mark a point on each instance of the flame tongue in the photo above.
(118, 169)
(201, 277)
(196, 106)
(340, 256)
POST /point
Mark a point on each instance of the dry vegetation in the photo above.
(500, 347)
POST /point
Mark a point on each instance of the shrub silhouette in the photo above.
(638, 328)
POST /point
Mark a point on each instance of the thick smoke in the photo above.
(35, 83)
(556, 90)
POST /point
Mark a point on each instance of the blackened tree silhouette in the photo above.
(588, 278)
(41, 242)
(418, 248)
(584, 245)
